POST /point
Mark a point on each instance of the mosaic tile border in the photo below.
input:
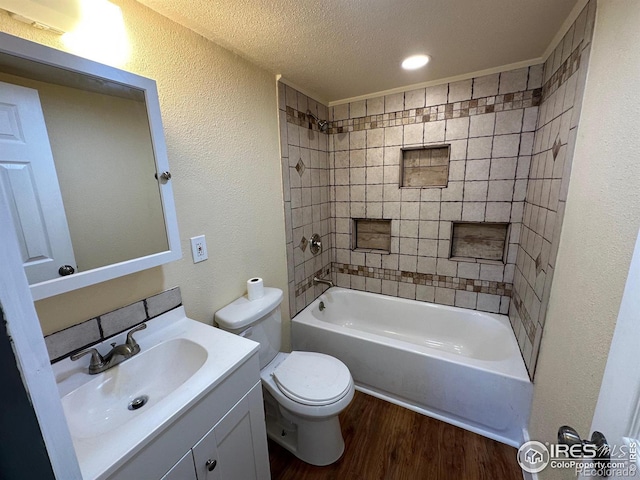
(528, 324)
(570, 66)
(446, 111)
(455, 283)
(307, 283)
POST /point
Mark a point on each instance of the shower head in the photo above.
(323, 125)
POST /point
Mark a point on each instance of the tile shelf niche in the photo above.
(372, 235)
(425, 166)
(481, 241)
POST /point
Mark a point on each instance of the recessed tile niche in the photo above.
(371, 234)
(425, 166)
(480, 241)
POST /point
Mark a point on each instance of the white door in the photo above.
(31, 354)
(29, 180)
(617, 413)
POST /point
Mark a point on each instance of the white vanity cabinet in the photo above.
(183, 470)
(234, 449)
(221, 436)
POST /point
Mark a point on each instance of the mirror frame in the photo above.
(36, 52)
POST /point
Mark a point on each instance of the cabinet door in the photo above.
(183, 470)
(236, 447)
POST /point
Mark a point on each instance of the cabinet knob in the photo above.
(211, 464)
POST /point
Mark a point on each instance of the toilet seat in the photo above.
(312, 378)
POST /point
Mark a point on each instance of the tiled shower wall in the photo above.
(564, 79)
(489, 122)
(305, 179)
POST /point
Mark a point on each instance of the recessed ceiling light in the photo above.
(415, 61)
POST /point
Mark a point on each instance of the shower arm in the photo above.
(322, 124)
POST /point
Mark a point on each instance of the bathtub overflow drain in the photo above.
(138, 402)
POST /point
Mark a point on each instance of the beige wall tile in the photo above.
(460, 91)
(485, 86)
(414, 99)
(514, 80)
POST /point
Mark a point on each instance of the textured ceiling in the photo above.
(338, 49)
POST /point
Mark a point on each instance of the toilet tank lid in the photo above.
(243, 312)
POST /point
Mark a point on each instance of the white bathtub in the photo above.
(457, 365)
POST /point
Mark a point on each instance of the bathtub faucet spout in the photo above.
(317, 280)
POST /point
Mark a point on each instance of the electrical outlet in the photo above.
(199, 249)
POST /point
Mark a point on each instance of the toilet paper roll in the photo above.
(255, 288)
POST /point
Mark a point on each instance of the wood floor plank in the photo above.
(387, 442)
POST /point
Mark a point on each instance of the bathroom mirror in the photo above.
(84, 166)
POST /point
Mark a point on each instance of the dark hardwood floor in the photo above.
(384, 441)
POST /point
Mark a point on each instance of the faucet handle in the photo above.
(96, 359)
(131, 342)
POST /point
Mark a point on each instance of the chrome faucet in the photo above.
(317, 280)
(118, 353)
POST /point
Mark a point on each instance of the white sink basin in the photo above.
(180, 361)
(103, 403)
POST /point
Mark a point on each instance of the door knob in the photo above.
(211, 464)
(569, 436)
(65, 270)
(164, 176)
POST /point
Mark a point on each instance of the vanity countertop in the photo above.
(102, 448)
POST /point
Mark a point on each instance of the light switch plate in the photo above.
(199, 249)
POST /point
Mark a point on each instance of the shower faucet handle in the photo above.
(316, 244)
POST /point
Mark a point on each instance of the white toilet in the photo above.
(303, 391)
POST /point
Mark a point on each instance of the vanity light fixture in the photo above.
(58, 17)
(415, 61)
(100, 33)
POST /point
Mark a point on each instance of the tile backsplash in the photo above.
(78, 337)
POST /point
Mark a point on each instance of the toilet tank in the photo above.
(258, 320)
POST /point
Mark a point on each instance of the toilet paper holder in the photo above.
(316, 244)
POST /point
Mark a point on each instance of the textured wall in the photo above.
(600, 227)
(220, 120)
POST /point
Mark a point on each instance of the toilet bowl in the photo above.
(304, 392)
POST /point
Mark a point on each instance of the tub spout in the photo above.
(317, 280)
